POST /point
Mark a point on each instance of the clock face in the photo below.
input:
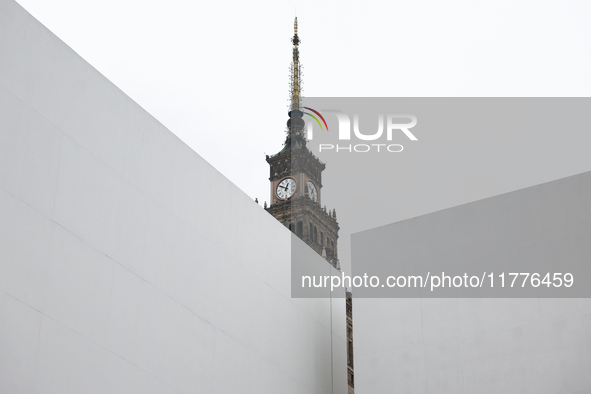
(312, 192)
(286, 188)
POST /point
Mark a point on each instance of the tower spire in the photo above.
(295, 68)
(295, 138)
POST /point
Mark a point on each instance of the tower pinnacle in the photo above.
(295, 137)
(295, 68)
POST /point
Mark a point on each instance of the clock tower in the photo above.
(296, 194)
(296, 180)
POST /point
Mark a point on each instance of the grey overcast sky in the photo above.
(216, 72)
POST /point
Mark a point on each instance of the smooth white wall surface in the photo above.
(127, 263)
(486, 345)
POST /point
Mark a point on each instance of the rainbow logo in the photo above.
(316, 119)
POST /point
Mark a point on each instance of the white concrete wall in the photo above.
(486, 345)
(127, 263)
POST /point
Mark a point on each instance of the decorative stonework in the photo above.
(350, 372)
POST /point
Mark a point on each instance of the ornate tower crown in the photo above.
(296, 178)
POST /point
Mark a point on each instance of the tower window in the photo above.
(300, 229)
